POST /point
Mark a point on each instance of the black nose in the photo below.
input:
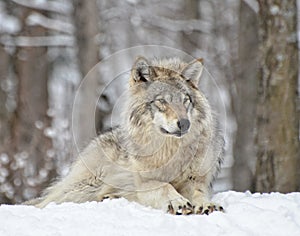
(183, 125)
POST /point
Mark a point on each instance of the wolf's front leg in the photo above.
(163, 196)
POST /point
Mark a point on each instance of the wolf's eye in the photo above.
(160, 100)
(186, 99)
(163, 101)
(160, 104)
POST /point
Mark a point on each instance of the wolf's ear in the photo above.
(193, 71)
(142, 71)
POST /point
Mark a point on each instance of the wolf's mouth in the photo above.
(177, 133)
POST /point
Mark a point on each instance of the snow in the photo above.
(274, 9)
(8, 23)
(246, 214)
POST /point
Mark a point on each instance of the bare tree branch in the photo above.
(58, 25)
(37, 41)
(160, 21)
(55, 6)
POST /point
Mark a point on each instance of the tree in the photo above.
(24, 141)
(277, 119)
(7, 104)
(86, 21)
(244, 99)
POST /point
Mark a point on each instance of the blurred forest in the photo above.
(250, 48)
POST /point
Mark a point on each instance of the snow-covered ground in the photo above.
(246, 214)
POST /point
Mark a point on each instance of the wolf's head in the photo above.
(164, 93)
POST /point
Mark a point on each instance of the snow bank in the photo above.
(246, 214)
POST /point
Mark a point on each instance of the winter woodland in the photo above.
(48, 113)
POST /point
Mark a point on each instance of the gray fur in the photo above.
(148, 158)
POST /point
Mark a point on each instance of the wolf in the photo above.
(165, 153)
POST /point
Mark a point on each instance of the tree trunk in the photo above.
(86, 21)
(7, 105)
(26, 144)
(277, 118)
(244, 100)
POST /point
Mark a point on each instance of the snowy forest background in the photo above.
(47, 47)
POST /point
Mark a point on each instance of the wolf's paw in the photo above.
(207, 208)
(180, 207)
(108, 196)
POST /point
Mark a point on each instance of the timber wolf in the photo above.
(165, 153)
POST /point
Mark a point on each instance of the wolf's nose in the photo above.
(183, 125)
